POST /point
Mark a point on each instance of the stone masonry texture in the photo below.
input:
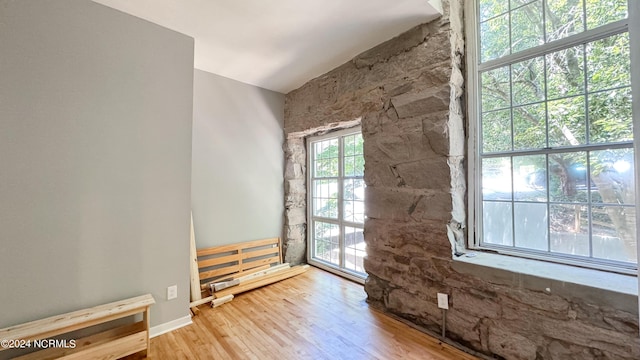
(407, 93)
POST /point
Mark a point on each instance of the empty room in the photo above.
(306, 179)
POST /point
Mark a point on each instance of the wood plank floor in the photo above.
(316, 315)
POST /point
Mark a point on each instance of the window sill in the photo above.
(545, 276)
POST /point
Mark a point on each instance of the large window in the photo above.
(336, 202)
(553, 144)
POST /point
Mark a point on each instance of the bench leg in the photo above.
(145, 319)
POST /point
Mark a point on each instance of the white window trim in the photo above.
(634, 27)
(471, 9)
(346, 273)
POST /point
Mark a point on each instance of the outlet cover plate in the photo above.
(443, 301)
(172, 292)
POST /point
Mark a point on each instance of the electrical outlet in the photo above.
(172, 292)
(443, 301)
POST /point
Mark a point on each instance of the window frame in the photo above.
(473, 71)
(337, 269)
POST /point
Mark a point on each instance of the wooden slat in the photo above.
(250, 265)
(219, 272)
(234, 275)
(83, 343)
(193, 266)
(114, 349)
(219, 260)
(238, 246)
(271, 269)
(260, 252)
(201, 301)
(262, 281)
(222, 300)
(60, 324)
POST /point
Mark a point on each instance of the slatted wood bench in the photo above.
(110, 344)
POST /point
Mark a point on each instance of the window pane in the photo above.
(327, 243)
(612, 173)
(529, 127)
(530, 178)
(354, 165)
(325, 198)
(565, 72)
(614, 230)
(518, 3)
(491, 8)
(528, 81)
(567, 122)
(354, 200)
(326, 158)
(355, 249)
(608, 63)
(526, 27)
(496, 131)
(569, 229)
(494, 38)
(497, 225)
(568, 177)
(604, 12)
(610, 116)
(353, 145)
(564, 18)
(496, 179)
(496, 90)
(531, 229)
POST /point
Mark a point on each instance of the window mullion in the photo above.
(341, 200)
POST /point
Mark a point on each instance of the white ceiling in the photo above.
(281, 44)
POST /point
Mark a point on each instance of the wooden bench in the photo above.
(110, 344)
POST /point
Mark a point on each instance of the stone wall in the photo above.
(407, 94)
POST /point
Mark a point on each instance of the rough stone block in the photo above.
(431, 173)
(292, 200)
(295, 216)
(296, 232)
(295, 186)
(405, 303)
(375, 288)
(476, 304)
(463, 328)
(390, 48)
(407, 205)
(379, 173)
(424, 102)
(295, 252)
(588, 336)
(397, 90)
(539, 300)
(510, 345)
(293, 171)
(435, 128)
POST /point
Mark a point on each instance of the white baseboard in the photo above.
(170, 326)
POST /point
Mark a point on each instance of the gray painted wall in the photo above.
(95, 159)
(237, 175)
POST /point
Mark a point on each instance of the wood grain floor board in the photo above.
(315, 315)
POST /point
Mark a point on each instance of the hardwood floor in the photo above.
(316, 315)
